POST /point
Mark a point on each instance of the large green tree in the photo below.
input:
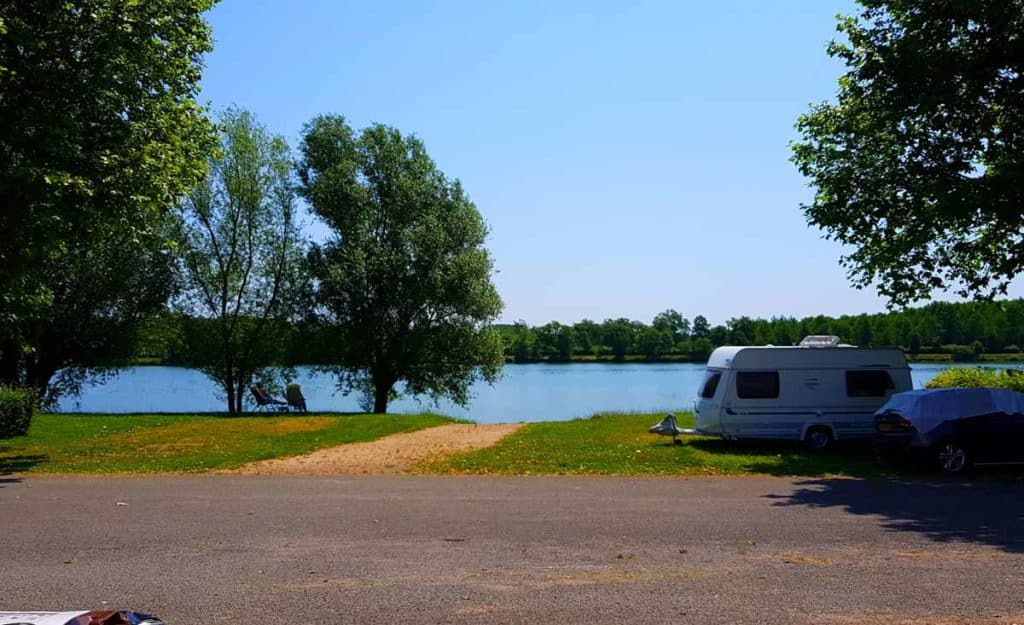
(100, 134)
(103, 289)
(918, 165)
(242, 257)
(406, 279)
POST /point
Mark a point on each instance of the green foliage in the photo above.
(654, 342)
(405, 280)
(554, 342)
(978, 377)
(918, 164)
(242, 255)
(961, 353)
(914, 344)
(701, 349)
(620, 336)
(105, 284)
(967, 331)
(17, 406)
(100, 132)
(619, 444)
(67, 443)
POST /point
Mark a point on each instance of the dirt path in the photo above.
(386, 456)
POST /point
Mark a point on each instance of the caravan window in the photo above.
(868, 383)
(757, 384)
(710, 386)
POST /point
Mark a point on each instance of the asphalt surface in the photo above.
(250, 549)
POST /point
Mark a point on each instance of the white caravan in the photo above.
(817, 392)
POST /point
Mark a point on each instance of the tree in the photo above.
(701, 328)
(718, 335)
(103, 289)
(99, 126)
(864, 333)
(741, 331)
(674, 323)
(522, 343)
(587, 334)
(241, 252)
(406, 278)
(654, 342)
(919, 165)
(619, 336)
(701, 349)
(555, 342)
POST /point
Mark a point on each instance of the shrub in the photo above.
(978, 378)
(17, 406)
(1012, 349)
(962, 353)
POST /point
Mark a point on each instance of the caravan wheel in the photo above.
(819, 438)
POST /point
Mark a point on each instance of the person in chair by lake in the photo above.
(265, 398)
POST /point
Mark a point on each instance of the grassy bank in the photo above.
(185, 443)
(619, 444)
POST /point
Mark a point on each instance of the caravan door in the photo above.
(707, 409)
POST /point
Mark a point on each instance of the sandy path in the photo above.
(386, 456)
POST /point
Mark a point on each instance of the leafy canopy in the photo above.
(99, 124)
(406, 280)
(241, 257)
(919, 164)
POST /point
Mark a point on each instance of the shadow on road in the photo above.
(987, 510)
(854, 458)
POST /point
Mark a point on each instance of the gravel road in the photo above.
(258, 549)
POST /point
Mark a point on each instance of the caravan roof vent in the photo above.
(820, 340)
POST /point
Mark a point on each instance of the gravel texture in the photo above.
(389, 455)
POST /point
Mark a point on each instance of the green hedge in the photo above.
(16, 409)
(979, 378)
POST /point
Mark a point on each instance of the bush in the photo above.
(962, 353)
(17, 406)
(978, 378)
(1012, 349)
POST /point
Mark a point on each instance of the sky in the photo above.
(628, 157)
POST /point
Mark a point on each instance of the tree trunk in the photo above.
(381, 391)
(240, 397)
(38, 378)
(229, 389)
(10, 364)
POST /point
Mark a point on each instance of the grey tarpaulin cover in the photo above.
(928, 409)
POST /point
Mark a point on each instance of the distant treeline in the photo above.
(961, 332)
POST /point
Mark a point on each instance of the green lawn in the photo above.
(619, 444)
(63, 443)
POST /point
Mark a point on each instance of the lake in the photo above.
(535, 392)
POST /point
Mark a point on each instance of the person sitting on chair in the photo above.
(267, 397)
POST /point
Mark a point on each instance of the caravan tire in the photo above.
(818, 439)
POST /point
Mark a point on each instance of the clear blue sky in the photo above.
(628, 157)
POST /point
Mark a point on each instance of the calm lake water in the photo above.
(537, 392)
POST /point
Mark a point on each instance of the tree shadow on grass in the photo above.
(10, 466)
(986, 509)
(855, 459)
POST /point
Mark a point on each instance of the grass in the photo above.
(65, 443)
(619, 444)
